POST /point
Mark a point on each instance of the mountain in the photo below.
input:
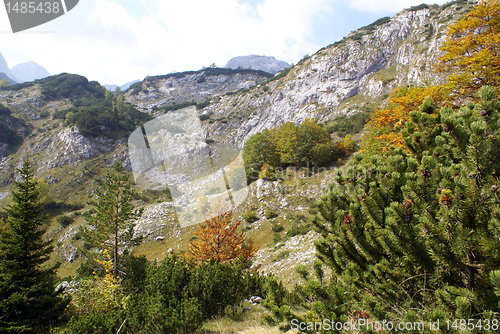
(29, 71)
(122, 87)
(4, 68)
(353, 75)
(263, 63)
(5, 76)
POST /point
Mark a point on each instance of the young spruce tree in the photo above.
(28, 299)
(111, 222)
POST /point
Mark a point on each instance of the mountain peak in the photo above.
(29, 71)
(256, 62)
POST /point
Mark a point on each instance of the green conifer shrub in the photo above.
(416, 235)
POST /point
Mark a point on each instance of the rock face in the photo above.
(29, 71)
(357, 72)
(263, 63)
(191, 87)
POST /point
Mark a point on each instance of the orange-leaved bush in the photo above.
(472, 50)
(219, 239)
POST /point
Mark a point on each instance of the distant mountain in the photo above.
(255, 62)
(29, 71)
(123, 87)
(5, 76)
(4, 68)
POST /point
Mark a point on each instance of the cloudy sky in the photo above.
(116, 41)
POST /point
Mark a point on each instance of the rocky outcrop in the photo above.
(68, 147)
(156, 221)
(263, 63)
(190, 87)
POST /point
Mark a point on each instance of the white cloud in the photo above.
(115, 41)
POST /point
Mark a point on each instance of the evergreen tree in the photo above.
(28, 299)
(111, 222)
(416, 236)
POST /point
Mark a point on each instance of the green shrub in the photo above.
(4, 111)
(430, 32)
(70, 85)
(61, 205)
(174, 296)
(277, 228)
(250, 216)
(136, 88)
(282, 255)
(65, 220)
(8, 135)
(419, 7)
(377, 23)
(178, 106)
(203, 104)
(349, 125)
(299, 230)
(92, 114)
(357, 36)
(270, 214)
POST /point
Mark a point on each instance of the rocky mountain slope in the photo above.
(353, 75)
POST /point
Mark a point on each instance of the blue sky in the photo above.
(116, 41)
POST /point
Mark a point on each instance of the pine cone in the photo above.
(347, 220)
(407, 204)
(484, 112)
